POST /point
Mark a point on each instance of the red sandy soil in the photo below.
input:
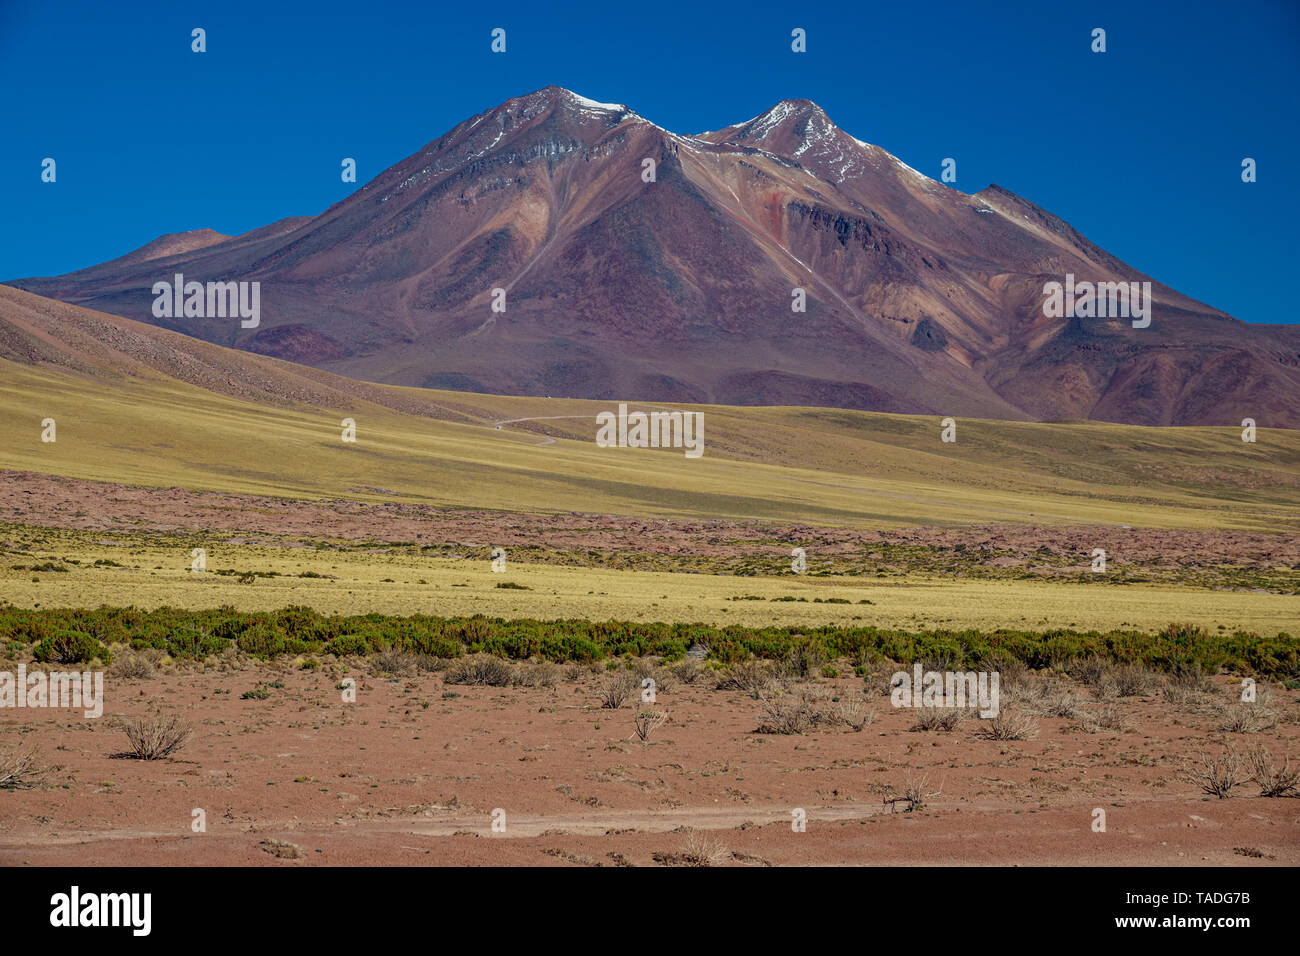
(388, 781)
(56, 502)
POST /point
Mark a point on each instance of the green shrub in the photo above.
(1180, 650)
(347, 644)
(70, 647)
(261, 640)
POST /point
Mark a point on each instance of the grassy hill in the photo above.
(144, 406)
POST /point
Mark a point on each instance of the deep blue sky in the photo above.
(1140, 148)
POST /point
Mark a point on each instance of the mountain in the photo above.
(919, 298)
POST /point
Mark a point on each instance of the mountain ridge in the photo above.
(919, 298)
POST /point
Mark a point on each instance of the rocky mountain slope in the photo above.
(919, 298)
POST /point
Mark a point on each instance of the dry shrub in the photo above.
(1106, 717)
(131, 667)
(1105, 689)
(1012, 672)
(1132, 680)
(795, 713)
(918, 792)
(915, 795)
(1274, 781)
(394, 662)
(1217, 776)
(1189, 677)
(1088, 670)
(943, 719)
(665, 682)
(882, 682)
(1113, 680)
(646, 722)
(1009, 725)
(431, 663)
(753, 677)
(1058, 703)
(785, 716)
(153, 738)
(484, 669)
(544, 674)
(1188, 698)
(644, 667)
(1050, 697)
(664, 679)
(1247, 719)
(800, 663)
(687, 670)
(618, 688)
(854, 713)
(702, 850)
(19, 771)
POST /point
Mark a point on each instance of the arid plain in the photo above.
(494, 597)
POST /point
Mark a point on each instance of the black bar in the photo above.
(491, 905)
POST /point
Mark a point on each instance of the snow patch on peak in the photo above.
(590, 104)
(537, 102)
(764, 123)
(817, 131)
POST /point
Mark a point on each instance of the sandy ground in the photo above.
(411, 772)
(407, 775)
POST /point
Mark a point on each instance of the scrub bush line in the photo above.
(56, 633)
